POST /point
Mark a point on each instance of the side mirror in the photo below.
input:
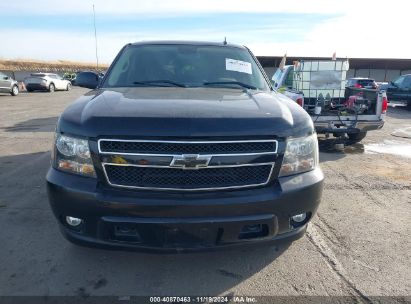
(89, 82)
(91, 85)
(393, 84)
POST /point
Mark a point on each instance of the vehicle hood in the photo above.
(182, 113)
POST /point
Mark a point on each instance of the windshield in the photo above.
(398, 81)
(186, 66)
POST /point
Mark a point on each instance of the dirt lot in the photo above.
(357, 245)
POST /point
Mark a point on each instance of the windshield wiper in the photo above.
(169, 82)
(241, 84)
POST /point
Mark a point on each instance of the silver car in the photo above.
(8, 85)
(46, 82)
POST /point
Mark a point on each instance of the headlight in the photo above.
(301, 155)
(73, 155)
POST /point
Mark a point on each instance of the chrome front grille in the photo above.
(187, 165)
(177, 147)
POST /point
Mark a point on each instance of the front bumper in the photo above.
(170, 221)
(361, 126)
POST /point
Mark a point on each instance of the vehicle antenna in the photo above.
(95, 35)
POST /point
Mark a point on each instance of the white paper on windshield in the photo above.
(238, 66)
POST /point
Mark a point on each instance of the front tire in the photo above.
(357, 137)
(68, 87)
(52, 88)
(14, 91)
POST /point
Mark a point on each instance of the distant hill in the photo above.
(48, 66)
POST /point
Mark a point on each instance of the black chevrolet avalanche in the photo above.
(184, 146)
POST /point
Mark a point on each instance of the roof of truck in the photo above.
(188, 42)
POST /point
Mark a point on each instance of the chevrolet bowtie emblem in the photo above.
(190, 161)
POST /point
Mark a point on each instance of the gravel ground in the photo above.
(358, 245)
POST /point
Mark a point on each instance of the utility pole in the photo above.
(95, 34)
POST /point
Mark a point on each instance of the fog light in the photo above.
(299, 218)
(73, 221)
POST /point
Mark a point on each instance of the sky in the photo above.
(63, 30)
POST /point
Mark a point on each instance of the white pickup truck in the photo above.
(319, 87)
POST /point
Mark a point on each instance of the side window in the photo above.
(276, 78)
(407, 82)
(398, 82)
(290, 78)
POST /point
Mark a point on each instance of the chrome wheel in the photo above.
(15, 90)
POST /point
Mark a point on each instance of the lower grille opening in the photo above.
(179, 179)
(162, 235)
(187, 232)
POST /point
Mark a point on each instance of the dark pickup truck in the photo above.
(399, 90)
(184, 146)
